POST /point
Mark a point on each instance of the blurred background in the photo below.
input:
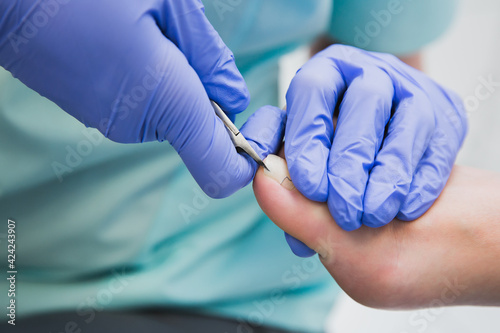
(463, 59)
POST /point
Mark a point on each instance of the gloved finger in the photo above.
(311, 100)
(435, 166)
(184, 22)
(364, 113)
(188, 121)
(431, 176)
(225, 171)
(264, 130)
(298, 248)
(407, 138)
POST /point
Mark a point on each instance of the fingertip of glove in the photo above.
(314, 190)
(227, 181)
(348, 225)
(344, 221)
(311, 194)
(346, 214)
(407, 214)
(415, 205)
(298, 248)
(215, 192)
(375, 220)
(377, 214)
(403, 216)
(232, 97)
(241, 104)
(226, 85)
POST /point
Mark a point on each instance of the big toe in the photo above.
(306, 220)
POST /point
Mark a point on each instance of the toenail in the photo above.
(278, 170)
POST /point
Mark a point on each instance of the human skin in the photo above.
(449, 256)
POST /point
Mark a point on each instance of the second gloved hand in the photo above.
(137, 71)
(394, 145)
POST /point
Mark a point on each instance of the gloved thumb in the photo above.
(215, 164)
(186, 25)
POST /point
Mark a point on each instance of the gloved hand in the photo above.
(394, 143)
(137, 71)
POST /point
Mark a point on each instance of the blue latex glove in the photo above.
(298, 248)
(396, 138)
(137, 71)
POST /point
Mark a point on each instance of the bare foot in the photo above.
(403, 264)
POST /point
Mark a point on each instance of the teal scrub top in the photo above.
(101, 225)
